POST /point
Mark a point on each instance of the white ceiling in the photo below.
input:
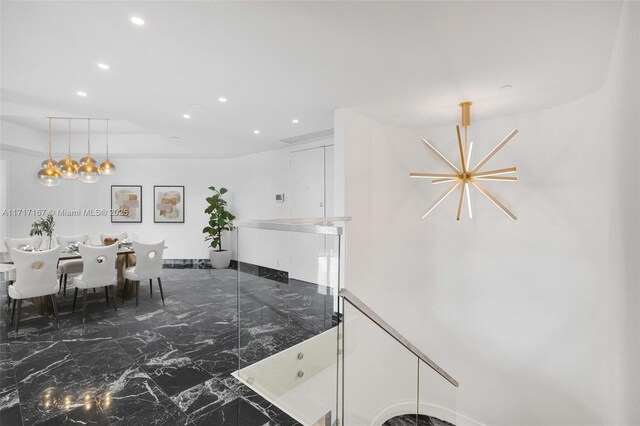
(405, 64)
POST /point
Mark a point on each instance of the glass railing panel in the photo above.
(437, 398)
(287, 316)
(379, 374)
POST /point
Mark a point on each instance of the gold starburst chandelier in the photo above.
(465, 175)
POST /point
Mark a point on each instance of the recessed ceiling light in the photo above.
(186, 115)
(196, 106)
(81, 93)
(222, 99)
(256, 132)
(137, 20)
(103, 66)
(506, 86)
(295, 121)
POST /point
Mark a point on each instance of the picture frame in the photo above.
(168, 204)
(126, 203)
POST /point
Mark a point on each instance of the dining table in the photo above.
(125, 258)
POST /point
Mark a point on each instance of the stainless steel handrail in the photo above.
(312, 225)
(373, 316)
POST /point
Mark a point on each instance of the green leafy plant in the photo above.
(220, 219)
(43, 226)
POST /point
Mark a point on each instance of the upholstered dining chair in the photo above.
(99, 270)
(35, 277)
(72, 266)
(148, 266)
(17, 243)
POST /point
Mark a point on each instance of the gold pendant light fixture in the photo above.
(49, 174)
(107, 168)
(68, 166)
(465, 176)
(87, 170)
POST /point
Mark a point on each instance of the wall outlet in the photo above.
(280, 198)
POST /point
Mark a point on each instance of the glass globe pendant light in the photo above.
(49, 175)
(88, 171)
(107, 168)
(68, 166)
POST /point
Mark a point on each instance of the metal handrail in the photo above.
(373, 316)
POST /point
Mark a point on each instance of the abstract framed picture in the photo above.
(168, 204)
(126, 204)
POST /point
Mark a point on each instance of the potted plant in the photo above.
(43, 226)
(220, 219)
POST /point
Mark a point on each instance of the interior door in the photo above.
(307, 199)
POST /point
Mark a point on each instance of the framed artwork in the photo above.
(126, 204)
(168, 204)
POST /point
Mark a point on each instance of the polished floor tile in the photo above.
(156, 365)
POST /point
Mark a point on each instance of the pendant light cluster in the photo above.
(87, 170)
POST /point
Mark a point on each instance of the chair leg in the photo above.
(106, 294)
(151, 287)
(60, 283)
(137, 288)
(161, 294)
(8, 297)
(113, 294)
(18, 317)
(124, 291)
(55, 310)
(84, 304)
(75, 297)
(94, 290)
(64, 292)
(13, 311)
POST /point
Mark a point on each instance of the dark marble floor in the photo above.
(156, 365)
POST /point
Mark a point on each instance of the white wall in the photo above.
(252, 180)
(535, 318)
(623, 141)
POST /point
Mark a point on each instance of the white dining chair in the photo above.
(35, 277)
(99, 271)
(17, 243)
(72, 266)
(148, 266)
(120, 237)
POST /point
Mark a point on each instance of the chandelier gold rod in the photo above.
(49, 139)
(470, 150)
(107, 140)
(442, 197)
(493, 199)
(461, 201)
(469, 199)
(440, 156)
(88, 137)
(432, 175)
(500, 178)
(443, 180)
(462, 159)
(504, 171)
(495, 150)
(69, 144)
